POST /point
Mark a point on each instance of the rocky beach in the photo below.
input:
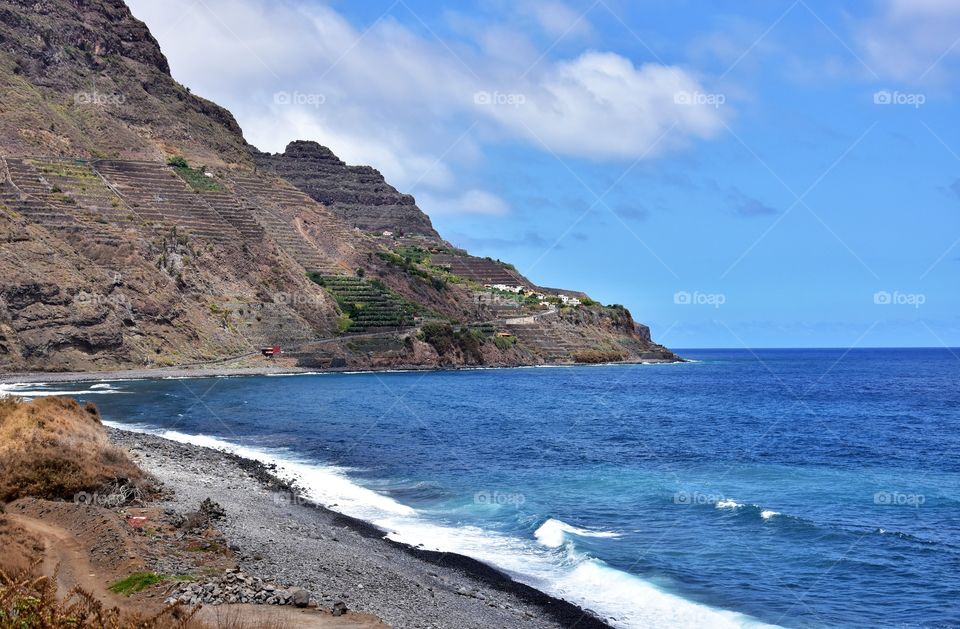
(290, 551)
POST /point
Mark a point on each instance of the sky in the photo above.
(740, 173)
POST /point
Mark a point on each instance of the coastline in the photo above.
(281, 536)
(44, 377)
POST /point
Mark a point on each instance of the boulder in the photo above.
(300, 598)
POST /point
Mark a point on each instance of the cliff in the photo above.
(119, 250)
(358, 195)
(84, 78)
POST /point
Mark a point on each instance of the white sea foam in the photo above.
(34, 390)
(625, 599)
(324, 485)
(553, 533)
(728, 504)
(766, 514)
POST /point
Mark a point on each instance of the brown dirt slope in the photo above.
(54, 448)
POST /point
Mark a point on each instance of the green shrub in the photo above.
(443, 338)
(196, 178)
(136, 582)
(439, 335)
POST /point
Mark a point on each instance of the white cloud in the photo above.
(912, 40)
(557, 19)
(600, 105)
(405, 103)
(470, 202)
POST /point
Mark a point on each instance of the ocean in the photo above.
(797, 488)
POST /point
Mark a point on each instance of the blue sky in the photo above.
(741, 173)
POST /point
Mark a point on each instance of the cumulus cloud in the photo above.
(419, 109)
(601, 105)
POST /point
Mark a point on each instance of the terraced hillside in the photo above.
(117, 250)
(369, 305)
(480, 270)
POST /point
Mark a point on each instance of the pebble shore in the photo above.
(311, 555)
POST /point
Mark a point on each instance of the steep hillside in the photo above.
(84, 78)
(138, 229)
(358, 195)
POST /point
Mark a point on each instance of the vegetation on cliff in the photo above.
(54, 448)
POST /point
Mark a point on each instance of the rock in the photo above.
(212, 510)
(339, 608)
(358, 195)
(300, 598)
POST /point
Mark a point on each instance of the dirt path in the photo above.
(62, 549)
(286, 617)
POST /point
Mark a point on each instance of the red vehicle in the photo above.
(270, 352)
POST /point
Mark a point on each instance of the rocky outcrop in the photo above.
(359, 195)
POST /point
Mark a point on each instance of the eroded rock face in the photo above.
(358, 195)
(84, 78)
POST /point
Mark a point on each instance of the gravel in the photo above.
(282, 542)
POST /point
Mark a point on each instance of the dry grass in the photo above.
(30, 601)
(233, 618)
(54, 448)
(596, 356)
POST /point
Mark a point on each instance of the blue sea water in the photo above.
(800, 488)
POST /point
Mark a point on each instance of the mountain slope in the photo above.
(84, 78)
(358, 195)
(138, 228)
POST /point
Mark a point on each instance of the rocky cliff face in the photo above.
(84, 78)
(112, 258)
(358, 195)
